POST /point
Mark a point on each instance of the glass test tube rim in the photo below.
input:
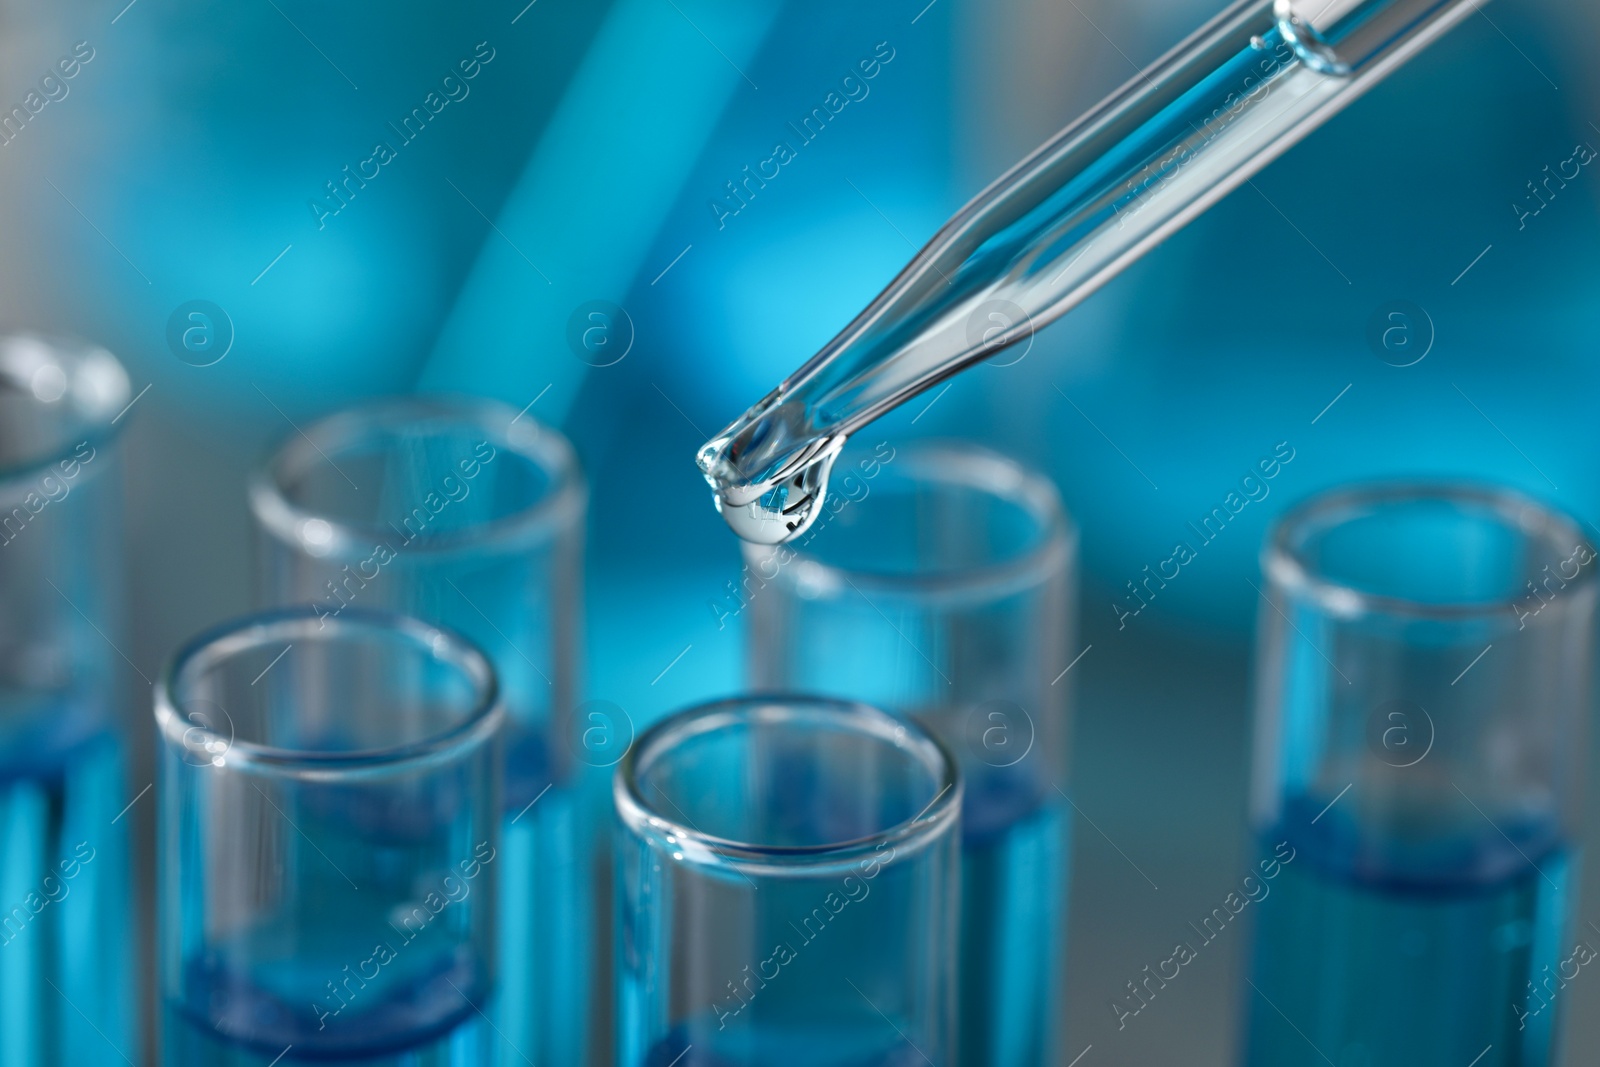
(1287, 568)
(477, 726)
(699, 849)
(556, 509)
(100, 427)
(966, 465)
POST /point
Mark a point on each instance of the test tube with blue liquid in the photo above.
(469, 514)
(329, 845)
(66, 946)
(787, 881)
(1425, 661)
(938, 584)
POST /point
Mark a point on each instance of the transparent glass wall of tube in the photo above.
(67, 946)
(468, 515)
(1423, 689)
(940, 587)
(329, 835)
(787, 889)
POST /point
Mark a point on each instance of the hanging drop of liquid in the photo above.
(771, 513)
(781, 503)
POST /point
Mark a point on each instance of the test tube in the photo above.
(66, 943)
(469, 514)
(1425, 660)
(329, 844)
(940, 587)
(786, 889)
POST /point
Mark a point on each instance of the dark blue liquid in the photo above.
(379, 974)
(191, 1043)
(66, 942)
(1379, 953)
(771, 1046)
(282, 1002)
(847, 965)
(1014, 841)
(1013, 900)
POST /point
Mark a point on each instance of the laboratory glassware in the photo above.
(941, 588)
(1425, 661)
(66, 944)
(787, 884)
(1060, 224)
(329, 844)
(469, 514)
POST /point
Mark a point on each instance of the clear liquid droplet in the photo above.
(773, 512)
(785, 497)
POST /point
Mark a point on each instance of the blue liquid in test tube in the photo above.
(1424, 670)
(787, 874)
(330, 858)
(939, 585)
(469, 514)
(66, 942)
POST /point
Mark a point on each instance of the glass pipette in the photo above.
(1063, 222)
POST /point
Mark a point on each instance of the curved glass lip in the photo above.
(973, 466)
(638, 815)
(502, 427)
(98, 432)
(480, 724)
(1287, 568)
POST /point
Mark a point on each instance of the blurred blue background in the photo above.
(191, 159)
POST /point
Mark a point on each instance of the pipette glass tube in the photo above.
(329, 845)
(940, 588)
(470, 515)
(1423, 684)
(787, 889)
(1062, 223)
(66, 943)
